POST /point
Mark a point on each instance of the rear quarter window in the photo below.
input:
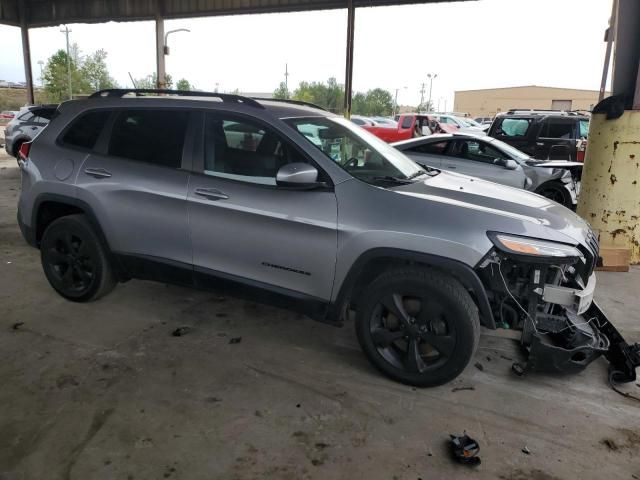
(407, 122)
(85, 130)
(513, 127)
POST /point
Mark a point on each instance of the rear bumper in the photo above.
(28, 233)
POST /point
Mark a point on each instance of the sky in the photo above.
(469, 45)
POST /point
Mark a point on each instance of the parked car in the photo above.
(120, 187)
(490, 159)
(464, 125)
(544, 134)
(362, 121)
(385, 122)
(410, 125)
(24, 127)
(484, 120)
(7, 114)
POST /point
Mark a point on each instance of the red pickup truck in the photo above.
(410, 125)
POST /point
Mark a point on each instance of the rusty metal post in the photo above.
(348, 82)
(610, 194)
(26, 52)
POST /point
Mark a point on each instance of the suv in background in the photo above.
(544, 134)
(288, 204)
(24, 127)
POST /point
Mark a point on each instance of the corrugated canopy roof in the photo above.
(43, 13)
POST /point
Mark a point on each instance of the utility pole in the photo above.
(286, 78)
(432, 77)
(66, 32)
(421, 97)
(41, 63)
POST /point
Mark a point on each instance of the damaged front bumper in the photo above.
(570, 341)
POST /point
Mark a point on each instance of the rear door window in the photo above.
(151, 136)
(514, 127)
(557, 128)
(407, 122)
(85, 130)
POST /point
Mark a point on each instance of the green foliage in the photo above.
(88, 74)
(183, 84)
(150, 81)
(329, 95)
(376, 102)
(94, 70)
(281, 92)
(55, 76)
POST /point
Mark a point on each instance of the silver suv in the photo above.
(288, 204)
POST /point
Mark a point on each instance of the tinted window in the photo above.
(434, 148)
(407, 122)
(152, 136)
(514, 127)
(245, 150)
(45, 114)
(556, 128)
(85, 130)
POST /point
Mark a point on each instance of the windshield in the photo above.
(508, 149)
(360, 153)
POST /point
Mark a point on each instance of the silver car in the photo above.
(24, 127)
(288, 204)
(496, 161)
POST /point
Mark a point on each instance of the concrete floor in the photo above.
(104, 391)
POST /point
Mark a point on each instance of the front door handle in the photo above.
(540, 144)
(97, 172)
(451, 167)
(211, 194)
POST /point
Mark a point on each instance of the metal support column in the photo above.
(26, 53)
(611, 174)
(160, 72)
(348, 81)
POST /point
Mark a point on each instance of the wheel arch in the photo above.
(373, 262)
(48, 207)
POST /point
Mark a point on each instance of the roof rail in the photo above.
(291, 101)
(533, 111)
(225, 97)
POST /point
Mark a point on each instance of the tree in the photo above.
(56, 79)
(329, 95)
(95, 72)
(150, 81)
(376, 102)
(282, 92)
(183, 84)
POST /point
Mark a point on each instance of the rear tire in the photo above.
(75, 261)
(418, 326)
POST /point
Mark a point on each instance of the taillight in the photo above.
(23, 152)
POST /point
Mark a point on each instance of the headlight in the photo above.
(533, 246)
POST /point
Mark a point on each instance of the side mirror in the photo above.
(298, 174)
(510, 164)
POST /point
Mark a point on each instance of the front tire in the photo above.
(557, 192)
(418, 326)
(75, 261)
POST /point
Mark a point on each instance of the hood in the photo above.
(506, 209)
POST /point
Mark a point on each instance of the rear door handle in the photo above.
(540, 144)
(97, 172)
(451, 167)
(211, 193)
